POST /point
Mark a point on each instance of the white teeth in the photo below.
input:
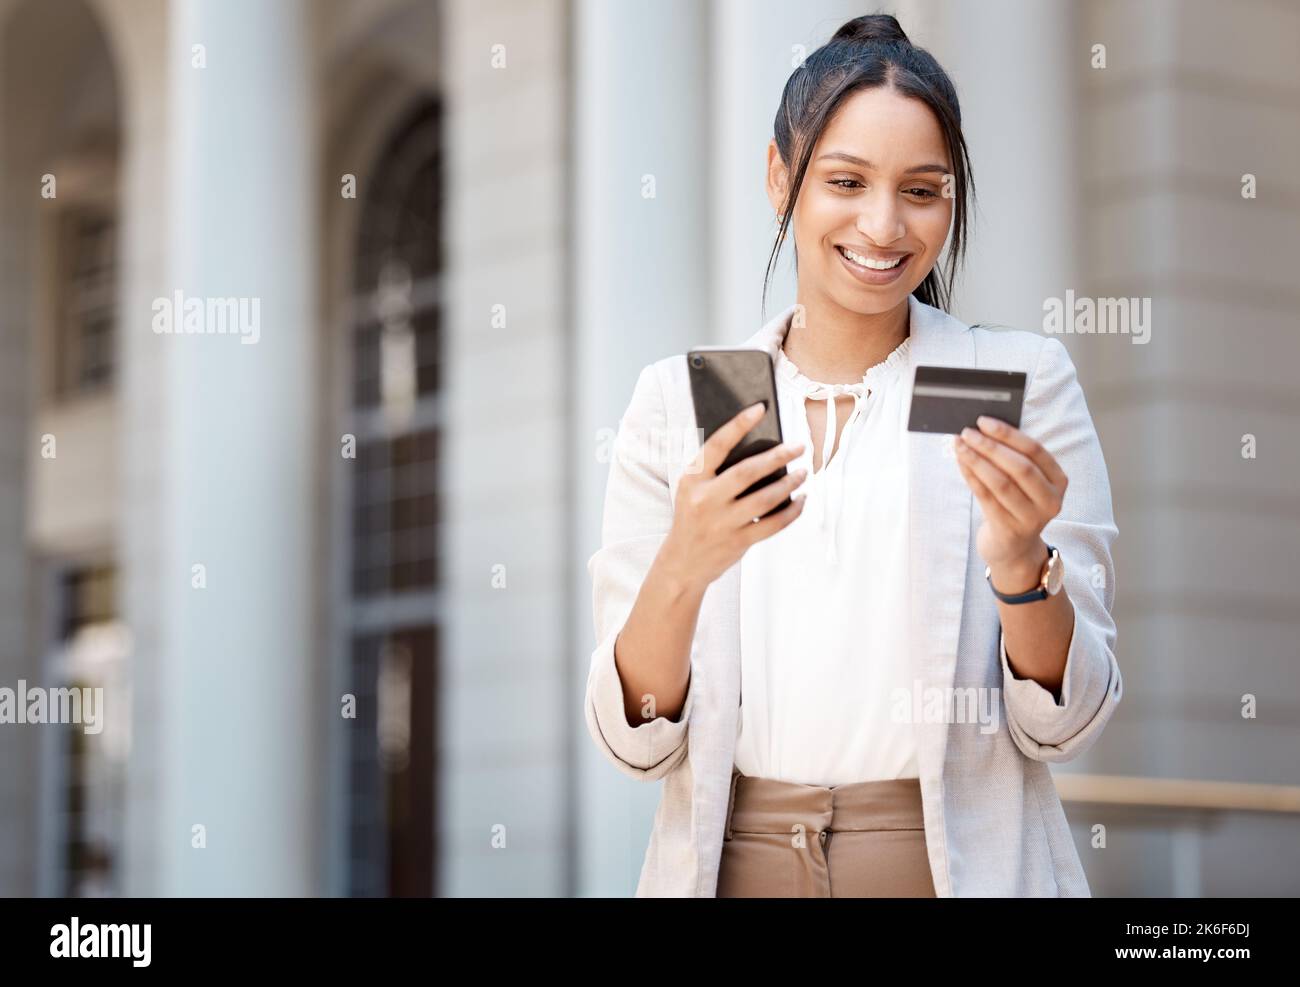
(875, 265)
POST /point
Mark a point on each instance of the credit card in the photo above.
(947, 399)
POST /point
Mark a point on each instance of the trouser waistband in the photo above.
(764, 805)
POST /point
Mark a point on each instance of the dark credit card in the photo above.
(947, 399)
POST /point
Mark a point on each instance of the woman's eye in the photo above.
(851, 183)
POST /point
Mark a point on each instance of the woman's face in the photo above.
(874, 189)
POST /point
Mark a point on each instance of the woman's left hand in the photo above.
(1019, 485)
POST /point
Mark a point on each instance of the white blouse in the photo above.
(824, 602)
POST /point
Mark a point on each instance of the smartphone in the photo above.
(724, 382)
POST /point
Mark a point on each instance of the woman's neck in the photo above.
(836, 346)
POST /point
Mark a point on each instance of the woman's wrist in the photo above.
(676, 578)
(1021, 573)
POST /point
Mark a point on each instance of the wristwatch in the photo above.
(1049, 582)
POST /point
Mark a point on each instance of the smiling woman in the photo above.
(872, 126)
(923, 571)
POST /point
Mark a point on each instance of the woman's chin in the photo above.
(872, 302)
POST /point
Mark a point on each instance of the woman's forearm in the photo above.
(1037, 634)
(653, 650)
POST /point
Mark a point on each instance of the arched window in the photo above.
(396, 416)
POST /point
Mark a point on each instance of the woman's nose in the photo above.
(881, 221)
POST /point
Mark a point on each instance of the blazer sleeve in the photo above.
(637, 516)
(1084, 531)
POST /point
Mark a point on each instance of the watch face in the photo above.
(1055, 574)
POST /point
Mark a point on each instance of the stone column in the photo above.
(234, 587)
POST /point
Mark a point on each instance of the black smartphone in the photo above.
(724, 382)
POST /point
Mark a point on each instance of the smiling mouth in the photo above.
(869, 264)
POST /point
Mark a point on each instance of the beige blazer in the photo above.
(993, 821)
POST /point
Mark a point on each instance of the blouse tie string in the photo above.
(832, 500)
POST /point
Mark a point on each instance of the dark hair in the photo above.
(869, 52)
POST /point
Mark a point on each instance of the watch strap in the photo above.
(1039, 592)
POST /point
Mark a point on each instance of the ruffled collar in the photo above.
(831, 474)
(871, 378)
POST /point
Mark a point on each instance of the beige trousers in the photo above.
(784, 840)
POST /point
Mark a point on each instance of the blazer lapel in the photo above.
(939, 510)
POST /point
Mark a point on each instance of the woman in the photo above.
(863, 701)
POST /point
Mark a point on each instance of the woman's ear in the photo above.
(778, 176)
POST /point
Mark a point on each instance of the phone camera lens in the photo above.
(697, 362)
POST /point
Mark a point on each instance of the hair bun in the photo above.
(873, 27)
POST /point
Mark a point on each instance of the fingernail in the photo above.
(967, 433)
(986, 421)
(754, 410)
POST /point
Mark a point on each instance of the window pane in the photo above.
(87, 300)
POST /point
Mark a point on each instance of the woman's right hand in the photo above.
(711, 529)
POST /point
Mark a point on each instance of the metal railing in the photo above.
(1177, 793)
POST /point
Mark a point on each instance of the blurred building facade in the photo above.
(238, 542)
(333, 584)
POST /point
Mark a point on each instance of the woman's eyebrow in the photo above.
(863, 163)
